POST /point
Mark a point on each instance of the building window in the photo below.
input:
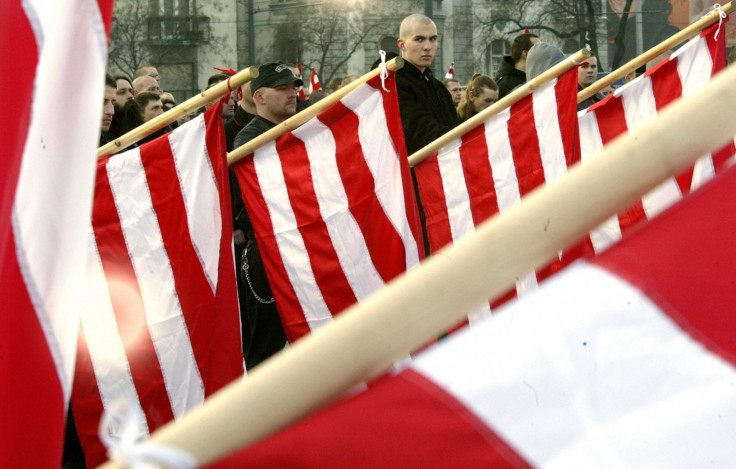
(495, 53)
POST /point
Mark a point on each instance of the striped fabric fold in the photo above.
(685, 71)
(160, 330)
(332, 207)
(490, 168)
(46, 183)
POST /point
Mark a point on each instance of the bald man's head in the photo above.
(145, 83)
(418, 40)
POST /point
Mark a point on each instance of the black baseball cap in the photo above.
(273, 74)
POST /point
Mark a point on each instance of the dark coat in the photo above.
(508, 77)
(240, 119)
(426, 107)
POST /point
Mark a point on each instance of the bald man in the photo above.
(145, 83)
(427, 109)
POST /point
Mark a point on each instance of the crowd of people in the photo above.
(429, 108)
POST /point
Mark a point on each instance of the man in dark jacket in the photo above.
(274, 93)
(426, 107)
(512, 71)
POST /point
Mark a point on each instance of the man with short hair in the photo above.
(587, 75)
(124, 89)
(148, 70)
(150, 105)
(456, 91)
(274, 93)
(426, 107)
(108, 109)
(512, 71)
(145, 83)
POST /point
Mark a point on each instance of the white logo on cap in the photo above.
(281, 68)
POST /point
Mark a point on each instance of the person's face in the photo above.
(420, 45)
(153, 109)
(150, 84)
(153, 73)
(588, 72)
(228, 108)
(457, 93)
(123, 93)
(279, 103)
(484, 99)
(108, 108)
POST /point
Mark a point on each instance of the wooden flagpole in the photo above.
(368, 337)
(300, 118)
(507, 101)
(188, 106)
(654, 52)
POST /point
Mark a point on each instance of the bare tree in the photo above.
(128, 50)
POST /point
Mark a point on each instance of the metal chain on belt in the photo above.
(245, 268)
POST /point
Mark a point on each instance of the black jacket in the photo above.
(589, 101)
(508, 77)
(426, 107)
(240, 119)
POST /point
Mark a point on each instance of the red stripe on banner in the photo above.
(404, 421)
(226, 344)
(328, 273)
(290, 310)
(32, 409)
(525, 146)
(395, 129)
(196, 298)
(128, 306)
(697, 288)
(429, 180)
(86, 401)
(478, 174)
(612, 123)
(567, 116)
(385, 245)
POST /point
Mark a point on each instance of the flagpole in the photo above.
(654, 52)
(298, 119)
(188, 106)
(370, 336)
(497, 107)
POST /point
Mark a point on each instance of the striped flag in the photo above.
(333, 208)
(301, 93)
(161, 328)
(492, 166)
(625, 361)
(314, 83)
(46, 183)
(688, 69)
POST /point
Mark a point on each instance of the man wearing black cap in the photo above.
(274, 93)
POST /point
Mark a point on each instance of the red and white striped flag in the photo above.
(333, 208)
(161, 327)
(450, 71)
(314, 83)
(626, 361)
(300, 93)
(46, 182)
(491, 167)
(688, 69)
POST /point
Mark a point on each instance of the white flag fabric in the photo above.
(492, 166)
(333, 208)
(625, 361)
(46, 181)
(630, 106)
(160, 327)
